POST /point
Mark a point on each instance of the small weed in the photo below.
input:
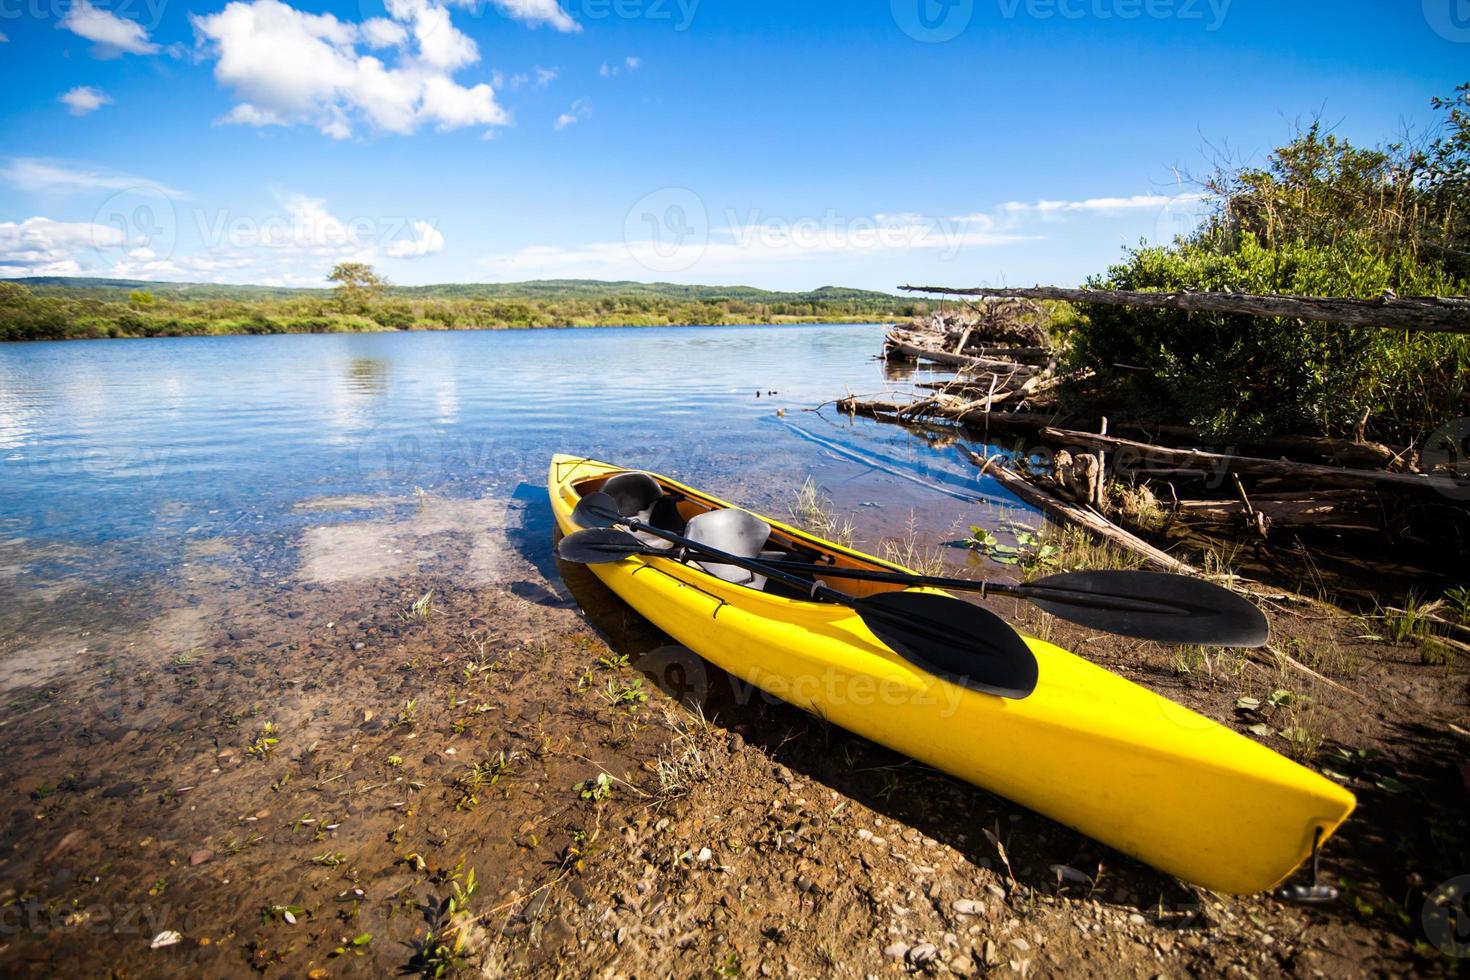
(395, 761)
(444, 949)
(595, 790)
(421, 610)
(264, 742)
(354, 945)
(614, 661)
(330, 860)
(481, 777)
(1457, 600)
(813, 511)
(408, 717)
(628, 696)
(910, 553)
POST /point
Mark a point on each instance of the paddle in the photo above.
(1145, 605)
(955, 640)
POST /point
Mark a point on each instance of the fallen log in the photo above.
(1082, 517)
(1331, 476)
(1444, 314)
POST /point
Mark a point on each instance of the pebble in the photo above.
(962, 966)
(704, 854)
(1137, 920)
(897, 951)
(200, 856)
(923, 953)
(1021, 944)
(968, 906)
(995, 890)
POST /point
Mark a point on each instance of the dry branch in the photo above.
(1446, 314)
(1331, 476)
(1074, 514)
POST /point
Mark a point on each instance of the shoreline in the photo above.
(425, 328)
(293, 770)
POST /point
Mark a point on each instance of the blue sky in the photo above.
(781, 144)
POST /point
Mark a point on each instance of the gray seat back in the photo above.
(734, 532)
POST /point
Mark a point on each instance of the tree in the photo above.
(357, 285)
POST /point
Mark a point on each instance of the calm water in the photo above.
(113, 454)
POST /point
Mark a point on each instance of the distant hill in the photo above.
(541, 289)
(57, 308)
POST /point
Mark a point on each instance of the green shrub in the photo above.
(1323, 219)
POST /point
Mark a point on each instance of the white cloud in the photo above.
(536, 12)
(44, 176)
(289, 67)
(42, 247)
(113, 34)
(630, 63)
(426, 240)
(1111, 205)
(84, 99)
(297, 242)
(545, 76)
(579, 110)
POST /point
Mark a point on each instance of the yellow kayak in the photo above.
(1089, 749)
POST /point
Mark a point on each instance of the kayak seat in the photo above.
(734, 532)
(664, 515)
(635, 494)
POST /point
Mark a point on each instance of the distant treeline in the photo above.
(62, 309)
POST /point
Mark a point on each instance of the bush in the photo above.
(1324, 219)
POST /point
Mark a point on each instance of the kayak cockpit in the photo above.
(680, 510)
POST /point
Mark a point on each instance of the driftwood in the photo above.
(1081, 516)
(1446, 314)
(992, 364)
(1330, 476)
(1288, 513)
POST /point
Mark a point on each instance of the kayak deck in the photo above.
(1089, 749)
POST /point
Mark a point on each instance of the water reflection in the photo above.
(239, 430)
(367, 375)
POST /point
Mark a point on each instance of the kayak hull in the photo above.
(1089, 749)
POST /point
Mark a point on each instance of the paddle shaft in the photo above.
(1024, 591)
(817, 590)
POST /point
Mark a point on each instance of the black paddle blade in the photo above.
(952, 639)
(1157, 606)
(599, 546)
(597, 510)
